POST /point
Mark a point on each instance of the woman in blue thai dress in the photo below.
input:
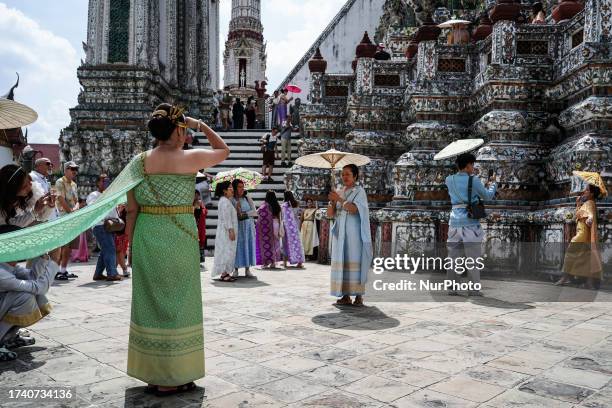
(351, 239)
(245, 207)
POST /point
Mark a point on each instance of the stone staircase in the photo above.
(245, 152)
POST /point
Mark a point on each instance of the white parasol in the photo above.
(15, 115)
(332, 159)
(459, 147)
(454, 22)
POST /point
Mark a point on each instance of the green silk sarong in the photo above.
(166, 333)
(166, 344)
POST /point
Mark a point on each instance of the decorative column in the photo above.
(95, 31)
(598, 21)
(375, 125)
(139, 33)
(323, 119)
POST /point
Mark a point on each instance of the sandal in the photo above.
(345, 302)
(7, 355)
(19, 341)
(61, 276)
(178, 390)
(227, 278)
(71, 275)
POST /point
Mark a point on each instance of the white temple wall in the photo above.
(339, 40)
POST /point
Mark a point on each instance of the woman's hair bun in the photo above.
(160, 125)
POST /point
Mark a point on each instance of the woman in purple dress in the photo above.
(293, 252)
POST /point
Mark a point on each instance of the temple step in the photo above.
(246, 153)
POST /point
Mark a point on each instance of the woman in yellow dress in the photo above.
(308, 228)
(582, 256)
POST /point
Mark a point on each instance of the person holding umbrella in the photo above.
(466, 191)
(582, 257)
(459, 33)
(351, 239)
(225, 237)
(350, 234)
(283, 104)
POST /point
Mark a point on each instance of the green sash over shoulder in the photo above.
(39, 239)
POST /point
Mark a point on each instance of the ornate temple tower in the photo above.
(139, 53)
(245, 52)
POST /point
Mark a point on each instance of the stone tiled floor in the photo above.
(279, 342)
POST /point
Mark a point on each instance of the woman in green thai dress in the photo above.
(166, 345)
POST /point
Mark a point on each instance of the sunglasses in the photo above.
(74, 169)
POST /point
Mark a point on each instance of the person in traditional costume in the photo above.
(268, 232)
(273, 101)
(351, 239)
(308, 229)
(245, 248)
(164, 252)
(22, 299)
(283, 106)
(582, 257)
(465, 233)
(293, 252)
(458, 35)
(225, 237)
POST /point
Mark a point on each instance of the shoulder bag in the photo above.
(475, 211)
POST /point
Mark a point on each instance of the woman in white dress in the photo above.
(225, 238)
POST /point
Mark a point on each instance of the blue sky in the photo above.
(42, 41)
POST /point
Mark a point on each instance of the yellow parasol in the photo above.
(332, 159)
(593, 178)
(15, 115)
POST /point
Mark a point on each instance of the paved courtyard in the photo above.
(279, 342)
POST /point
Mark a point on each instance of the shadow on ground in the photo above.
(356, 318)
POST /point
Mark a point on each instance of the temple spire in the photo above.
(245, 52)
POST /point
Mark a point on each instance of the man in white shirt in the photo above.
(40, 174)
(106, 240)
